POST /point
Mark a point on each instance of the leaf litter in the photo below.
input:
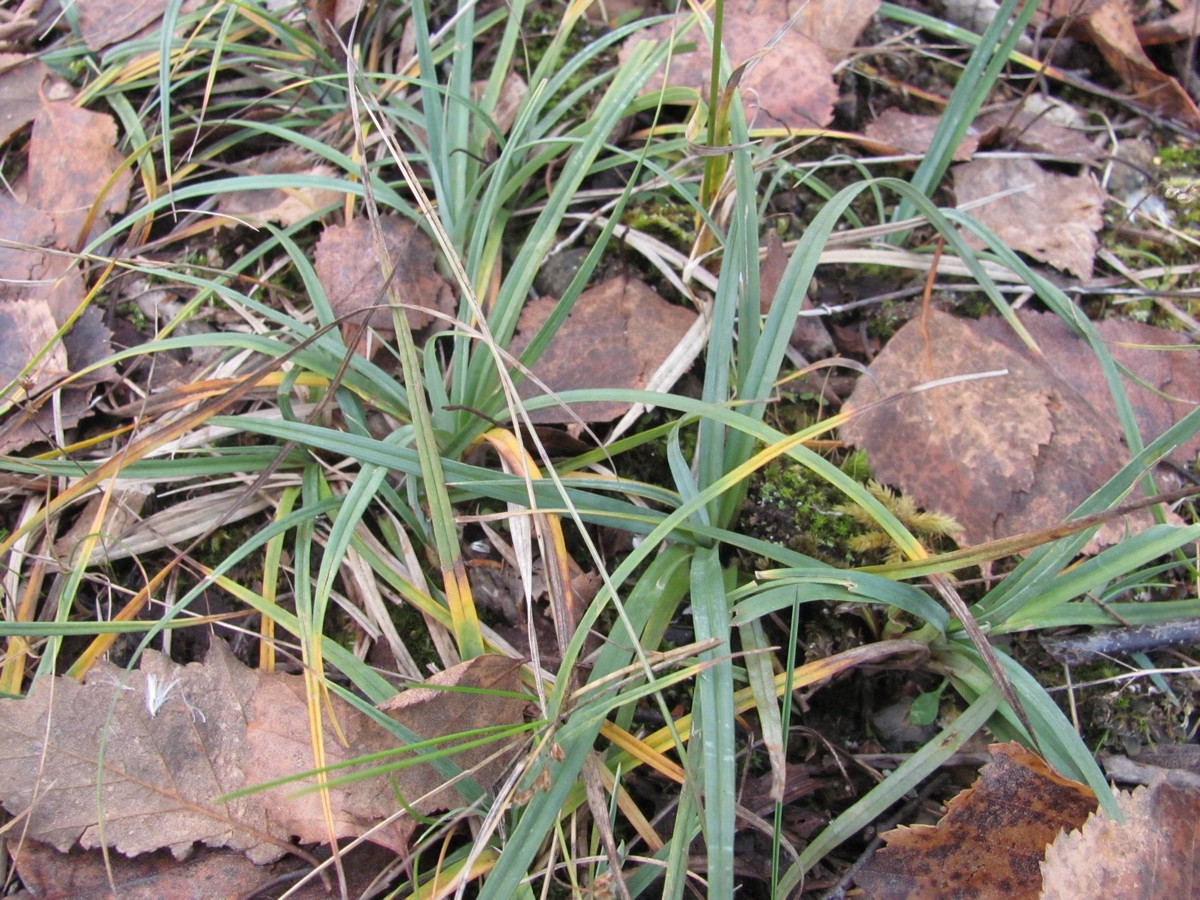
(1023, 831)
(1019, 449)
(1042, 441)
(169, 742)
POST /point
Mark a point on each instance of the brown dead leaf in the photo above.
(810, 337)
(1057, 10)
(1037, 125)
(1165, 367)
(87, 342)
(335, 13)
(68, 184)
(791, 84)
(349, 271)
(912, 133)
(1001, 455)
(834, 24)
(103, 23)
(170, 739)
(512, 91)
(45, 872)
(26, 327)
(616, 336)
(1052, 217)
(206, 874)
(1178, 26)
(1111, 27)
(991, 839)
(283, 206)
(23, 83)
(1154, 854)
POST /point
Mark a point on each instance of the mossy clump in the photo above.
(669, 219)
(789, 505)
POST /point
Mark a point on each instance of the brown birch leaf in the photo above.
(791, 84)
(1110, 27)
(1154, 853)
(1052, 217)
(349, 270)
(991, 839)
(68, 184)
(617, 335)
(169, 740)
(284, 206)
(1003, 454)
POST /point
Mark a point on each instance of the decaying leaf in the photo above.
(41, 290)
(791, 83)
(1001, 455)
(1052, 217)
(1155, 853)
(334, 13)
(103, 23)
(1164, 367)
(616, 336)
(84, 876)
(1110, 26)
(284, 206)
(1038, 124)
(26, 327)
(68, 185)
(23, 82)
(168, 740)
(350, 272)
(912, 133)
(991, 839)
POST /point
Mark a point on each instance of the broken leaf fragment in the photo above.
(1052, 217)
(167, 741)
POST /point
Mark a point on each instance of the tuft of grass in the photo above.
(372, 466)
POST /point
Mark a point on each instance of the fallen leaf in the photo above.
(23, 82)
(349, 270)
(834, 24)
(1052, 217)
(1058, 10)
(810, 337)
(991, 839)
(68, 185)
(1110, 26)
(283, 206)
(1164, 366)
(1178, 26)
(334, 13)
(168, 740)
(617, 335)
(84, 344)
(26, 327)
(103, 23)
(1038, 125)
(512, 91)
(791, 83)
(1155, 853)
(1001, 455)
(912, 133)
(45, 872)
